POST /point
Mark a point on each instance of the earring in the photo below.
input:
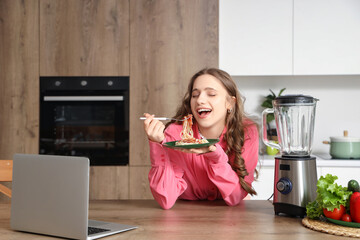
(229, 110)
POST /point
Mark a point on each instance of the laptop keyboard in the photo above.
(94, 230)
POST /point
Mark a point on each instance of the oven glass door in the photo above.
(92, 126)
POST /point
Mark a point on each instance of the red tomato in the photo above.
(346, 218)
(336, 214)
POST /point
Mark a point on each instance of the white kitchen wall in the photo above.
(337, 110)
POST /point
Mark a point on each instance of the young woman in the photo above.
(221, 171)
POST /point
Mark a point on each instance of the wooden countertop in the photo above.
(252, 219)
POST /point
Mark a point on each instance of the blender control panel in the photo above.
(284, 185)
(285, 167)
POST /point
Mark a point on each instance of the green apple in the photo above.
(271, 150)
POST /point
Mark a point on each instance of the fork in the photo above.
(165, 119)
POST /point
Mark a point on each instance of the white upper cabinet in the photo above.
(326, 37)
(255, 37)
(289, 37)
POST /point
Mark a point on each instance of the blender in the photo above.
(295, 170)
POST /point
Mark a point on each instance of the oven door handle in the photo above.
(83, 98)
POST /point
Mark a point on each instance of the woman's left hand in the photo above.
(198, 151)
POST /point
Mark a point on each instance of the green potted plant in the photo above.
(268, 104)
(270, 120)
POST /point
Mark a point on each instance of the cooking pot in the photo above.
(344, 147)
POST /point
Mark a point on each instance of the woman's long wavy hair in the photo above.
(235, 120)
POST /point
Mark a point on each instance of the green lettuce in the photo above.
(330, 195)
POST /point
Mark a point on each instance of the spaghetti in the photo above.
(187, 134)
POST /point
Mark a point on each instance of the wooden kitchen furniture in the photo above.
(158, 44)
(252, 219)
(6, 167)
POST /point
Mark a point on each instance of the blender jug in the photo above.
(295, 119)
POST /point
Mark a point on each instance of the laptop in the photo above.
(50, 196)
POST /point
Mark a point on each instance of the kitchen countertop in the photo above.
(322, 160)
(252, 219)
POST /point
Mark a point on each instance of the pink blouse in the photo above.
(208, 176)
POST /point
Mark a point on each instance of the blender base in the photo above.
(289, 209)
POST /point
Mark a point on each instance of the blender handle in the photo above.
(264, 129)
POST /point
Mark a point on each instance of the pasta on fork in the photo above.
(187, 135)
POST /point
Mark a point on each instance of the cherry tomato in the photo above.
(346, 218)
(336, 214)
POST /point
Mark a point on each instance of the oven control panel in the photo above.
(84, 83)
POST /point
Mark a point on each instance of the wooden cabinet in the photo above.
(139, 187)
(300, 37)
(88, 38)
(170, 41)
(109, 182)
(84, 38)
(19, 77)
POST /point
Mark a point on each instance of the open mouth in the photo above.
(203, 112)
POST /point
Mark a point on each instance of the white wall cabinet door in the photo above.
(289, 37)
(264, 185)
(255, 37)
(326, 37)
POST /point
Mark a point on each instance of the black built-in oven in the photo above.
(85, 116)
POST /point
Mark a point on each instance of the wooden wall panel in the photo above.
(109, 182)
(139, 183)
(19, 77)
(170, 41)
(84, 38)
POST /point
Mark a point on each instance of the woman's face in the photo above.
(209, 102)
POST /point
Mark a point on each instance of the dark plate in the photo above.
(343, 223)
(172, 144)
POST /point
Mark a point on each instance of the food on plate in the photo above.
(353, 186)
(336, 214)
(334, 201)
(187, 135)
(346, 218)
(330, 195)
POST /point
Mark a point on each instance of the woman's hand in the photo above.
(154, 129)
(198, 151)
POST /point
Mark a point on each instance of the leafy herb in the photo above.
(330, 195)
(314, 210)
(268, 103)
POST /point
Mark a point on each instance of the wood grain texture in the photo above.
(109, 182)
(6, 167)
(195, 220)
(170, 41)
(19, 77)
(84, 38)
(139, 183)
